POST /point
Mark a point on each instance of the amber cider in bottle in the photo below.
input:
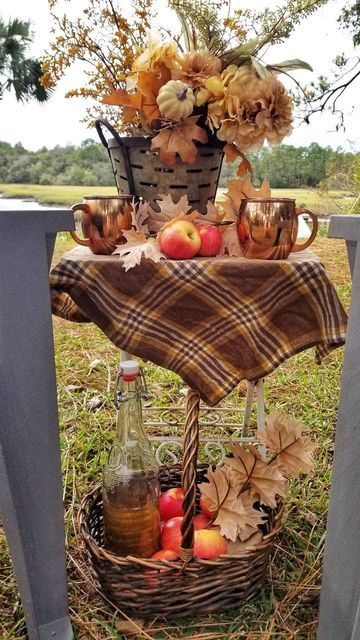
(131, 487)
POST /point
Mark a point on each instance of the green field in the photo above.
(324, 203)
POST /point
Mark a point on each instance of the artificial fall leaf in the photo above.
(149, 84)
(230, 245)
(233, 513)
(213, 213)
(168, 211)
(243, 188)
(138, 246)
(177, 137)
(139, 215)
(190, 217)
(292, 449)
(265, 481)
(129, 627)
(130, 103)
(232, 153)
(238, 547)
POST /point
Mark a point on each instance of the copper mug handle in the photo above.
(305, 245)
(81, 206)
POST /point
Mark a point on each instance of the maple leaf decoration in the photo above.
(233, 513)
(231, 153)
(177, 137)
(265, 482)
(292, 449)
(169, 210)
(138, 246)
(140, 215)
(230, 244)
(243, 188)
(149, 84)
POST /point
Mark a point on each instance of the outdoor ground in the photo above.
(288, 606)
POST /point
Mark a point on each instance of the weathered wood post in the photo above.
(340, 591)
(31, 505)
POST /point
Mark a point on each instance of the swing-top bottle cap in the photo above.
(129, 369)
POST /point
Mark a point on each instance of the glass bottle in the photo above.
(131, 488)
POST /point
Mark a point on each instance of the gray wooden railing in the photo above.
(31, 507)
(340, 590)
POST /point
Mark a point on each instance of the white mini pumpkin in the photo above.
(175, 100)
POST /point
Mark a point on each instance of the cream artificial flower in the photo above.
(156, 52)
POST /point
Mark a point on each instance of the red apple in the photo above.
(171, 503)
(171, 534)
(209, 543)
(180, 240)
(164, 554)
(201, 521)
(205, 507)
(210, 239)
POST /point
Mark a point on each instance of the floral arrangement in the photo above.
(179, 98)
(207, 84)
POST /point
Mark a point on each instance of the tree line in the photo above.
(89, 165)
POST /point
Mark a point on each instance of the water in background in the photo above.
(16, 204)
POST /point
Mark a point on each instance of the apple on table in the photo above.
(180, 240)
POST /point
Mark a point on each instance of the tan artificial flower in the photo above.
(256, 111)
(275, 118)
(196, 67)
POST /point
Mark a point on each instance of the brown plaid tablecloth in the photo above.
(214, 321)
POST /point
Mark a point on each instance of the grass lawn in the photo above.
(287, 608)
(324, 203)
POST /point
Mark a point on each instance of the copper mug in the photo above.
(268, 227)
(103, 219)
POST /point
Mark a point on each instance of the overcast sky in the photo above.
(317, 41)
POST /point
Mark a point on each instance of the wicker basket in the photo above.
(140, 172)
(189, 586)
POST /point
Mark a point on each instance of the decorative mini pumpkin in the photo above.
(176, 100)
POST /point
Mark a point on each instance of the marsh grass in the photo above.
(322, 202)
(287, 608)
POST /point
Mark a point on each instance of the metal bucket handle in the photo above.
(99, 123)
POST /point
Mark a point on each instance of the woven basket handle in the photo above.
(188, 479)
(99, 124)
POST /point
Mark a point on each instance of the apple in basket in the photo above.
(210, 239)
(209, 544)
(171, 503)
(171, 534)
(180, 240)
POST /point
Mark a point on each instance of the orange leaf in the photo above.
(178, 138)
(131, 103)
(149, 84)
(231, 152)
(243, 188)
